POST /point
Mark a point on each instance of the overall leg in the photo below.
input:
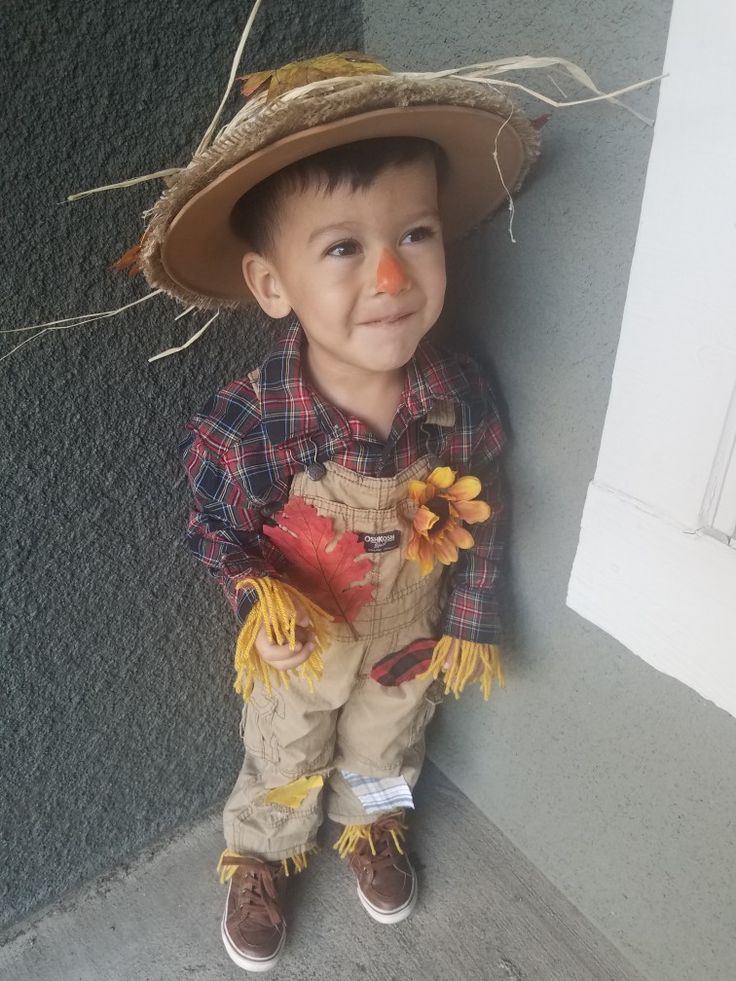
(275, 808)
(380, 731)
(379, 752)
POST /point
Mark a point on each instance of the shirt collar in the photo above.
(288, 406)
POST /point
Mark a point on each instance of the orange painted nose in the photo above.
(390, 275)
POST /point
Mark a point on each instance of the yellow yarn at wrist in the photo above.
(275, 611)
(464, 663)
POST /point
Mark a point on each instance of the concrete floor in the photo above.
(484, 913)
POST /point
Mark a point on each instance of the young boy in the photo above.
(356, 427)
(351, 410)
(334, 485)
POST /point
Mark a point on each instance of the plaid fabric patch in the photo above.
(403, 665)
(379, 793)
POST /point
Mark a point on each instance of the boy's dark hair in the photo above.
(255, 214)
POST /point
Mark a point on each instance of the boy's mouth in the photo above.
(387, 321)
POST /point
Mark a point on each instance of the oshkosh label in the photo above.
(382, 541)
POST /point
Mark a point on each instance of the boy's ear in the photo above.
(263, 282)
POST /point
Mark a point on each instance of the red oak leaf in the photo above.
(328, 576)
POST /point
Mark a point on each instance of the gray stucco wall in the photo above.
(115, 649)
(617, 781)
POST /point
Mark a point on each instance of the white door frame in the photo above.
(656, 564)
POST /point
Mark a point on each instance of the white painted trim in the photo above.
(667, 595)
(653, 566)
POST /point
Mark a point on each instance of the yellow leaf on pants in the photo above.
(292, 794)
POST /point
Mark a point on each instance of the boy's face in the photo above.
(364, 271)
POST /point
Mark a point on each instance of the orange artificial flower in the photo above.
(443, 503)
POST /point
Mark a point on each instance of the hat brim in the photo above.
(203, 256)
(189, 249)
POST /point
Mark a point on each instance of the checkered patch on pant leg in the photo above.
(405, 664)
(379, 793)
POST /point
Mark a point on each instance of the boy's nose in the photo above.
(390, 275)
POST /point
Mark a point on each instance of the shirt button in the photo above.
(316, 471)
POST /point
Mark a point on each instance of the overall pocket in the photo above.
(427, 707)
(256, 726)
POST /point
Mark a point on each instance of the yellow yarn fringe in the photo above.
(275, 611)
(467, 653)
(353, 833)
(299, 861)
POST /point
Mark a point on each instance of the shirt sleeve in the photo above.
(223, 532)
(475, 606)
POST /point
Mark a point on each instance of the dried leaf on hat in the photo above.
(297, 73)
(130, 259)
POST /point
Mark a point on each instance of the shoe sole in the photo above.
(395, 916)
(251, 963)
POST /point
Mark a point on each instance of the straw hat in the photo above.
(189, 249)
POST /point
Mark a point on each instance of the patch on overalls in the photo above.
(403, 665)
(293, 794)
(379, 793)
(384, 541)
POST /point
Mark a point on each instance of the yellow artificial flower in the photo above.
(443, 503)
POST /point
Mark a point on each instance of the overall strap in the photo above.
(442, 413)
(255, 380)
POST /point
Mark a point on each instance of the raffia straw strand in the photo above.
(80, 317)
(184, 313)
(80, 321)
(204, 142)
(192, 339)
(558, 87)
(483, 69)
(169, 172)
(607, 96)
(500, 174)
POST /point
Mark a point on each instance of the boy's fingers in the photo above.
(284, 658)
(292, 662)
(474, 676)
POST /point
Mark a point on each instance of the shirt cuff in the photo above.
(471, 615)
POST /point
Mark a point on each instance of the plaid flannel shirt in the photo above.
(241, 451)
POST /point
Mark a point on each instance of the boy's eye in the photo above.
(347, 243)
(419, 234)
(424, 231)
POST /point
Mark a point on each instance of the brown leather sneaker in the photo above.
(253, 924)
(387, 882)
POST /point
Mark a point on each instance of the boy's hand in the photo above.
(281, 656)
(474, 676)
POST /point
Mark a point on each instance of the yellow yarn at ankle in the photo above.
(353, 833)
(464, 663)
(227, 869)
(275, 611)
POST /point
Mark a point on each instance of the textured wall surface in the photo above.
(616, 780)
(116, 649)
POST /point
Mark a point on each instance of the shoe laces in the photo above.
(386, 833)
(255, 887)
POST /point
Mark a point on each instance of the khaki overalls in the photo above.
(350, 721)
